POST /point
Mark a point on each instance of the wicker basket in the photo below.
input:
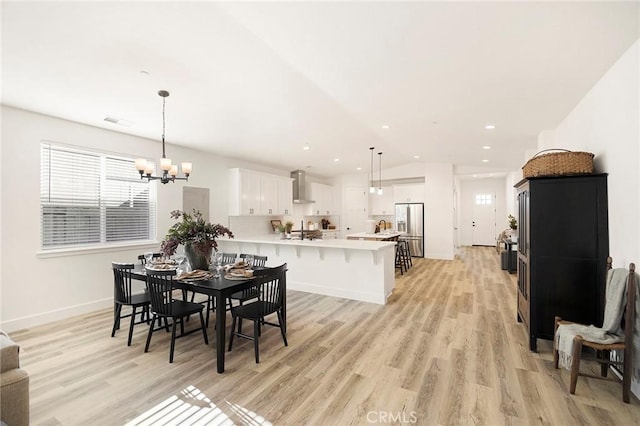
(558, 164)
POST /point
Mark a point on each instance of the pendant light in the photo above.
(379, 173)
(169, 171)
(372, 188)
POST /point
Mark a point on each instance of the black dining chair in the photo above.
(143, 260)
(124, 296)
(250, 293)
(164, 306)
(271, 288)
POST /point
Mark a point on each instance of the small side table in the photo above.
(511, 247)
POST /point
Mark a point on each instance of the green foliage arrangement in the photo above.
(513, 222)
(195, 230)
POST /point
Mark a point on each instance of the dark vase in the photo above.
(197, 260)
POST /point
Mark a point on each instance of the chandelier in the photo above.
(169, 171)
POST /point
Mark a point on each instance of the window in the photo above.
(483, 198)
(91, 198)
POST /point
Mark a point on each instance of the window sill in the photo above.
(79, 251)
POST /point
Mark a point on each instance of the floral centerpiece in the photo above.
(197, 235)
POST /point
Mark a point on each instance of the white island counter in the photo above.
(352, 269)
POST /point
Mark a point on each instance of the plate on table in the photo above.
(241, 273)
(162, 266)
(240, 265)
(237, 278)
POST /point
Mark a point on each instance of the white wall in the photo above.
(469, 187)
(607, 123)
(438, 211)
(36, 289)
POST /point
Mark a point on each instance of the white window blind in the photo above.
(91, 198)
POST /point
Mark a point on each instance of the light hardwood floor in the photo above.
(446, 350)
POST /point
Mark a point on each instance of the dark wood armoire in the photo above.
(563, 244)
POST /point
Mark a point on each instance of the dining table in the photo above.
(220, 288)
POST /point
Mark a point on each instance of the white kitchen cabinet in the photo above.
(408, 193)
(382, 204)
(323, 196)
(285, 196)
(258, 194)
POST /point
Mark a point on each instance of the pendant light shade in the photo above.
(169, 170)
(379, 173)
(372, 188)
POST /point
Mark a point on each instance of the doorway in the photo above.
(483, 225)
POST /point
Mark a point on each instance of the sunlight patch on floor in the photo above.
(192, 407)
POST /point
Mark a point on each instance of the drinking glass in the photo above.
(217, 262)
(183, 265)
(249, 259)
(148, 256)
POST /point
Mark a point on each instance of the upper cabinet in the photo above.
(380, 205)
(260, 194)
(409, 193)
(323, 196)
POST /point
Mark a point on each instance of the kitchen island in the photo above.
(352, 269)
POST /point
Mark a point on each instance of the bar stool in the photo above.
(400, 260)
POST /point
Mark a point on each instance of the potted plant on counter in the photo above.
(288, 227)
(196, 235)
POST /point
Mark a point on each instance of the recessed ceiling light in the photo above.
(490, 127)
(475, 176)
(385, 126)
(486, 147)
(306, 148)
(358, 168)
(416, 157)
(335, 160)
(485, 161)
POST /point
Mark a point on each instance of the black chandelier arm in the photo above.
(165, 178)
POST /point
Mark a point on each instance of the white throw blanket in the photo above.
(611, 330)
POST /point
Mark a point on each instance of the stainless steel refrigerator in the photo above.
(410, 220)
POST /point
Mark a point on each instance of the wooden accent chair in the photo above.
(164, 306)
(603, 350)
(271, 285)
(123, 296)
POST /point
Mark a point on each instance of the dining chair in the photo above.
(271, 287)
(229, 258)
(250, 293)
(164, 306)
(124, 296)
(143, 260)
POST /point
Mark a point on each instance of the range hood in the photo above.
(300, 187)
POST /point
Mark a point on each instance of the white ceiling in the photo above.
(261, 80)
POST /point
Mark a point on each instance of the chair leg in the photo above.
(153, 323)
(116, 320)
(281, 325)
(626, 374)
(575, 363)
(240, 325)
(233, 330)
(131, 323)
(605, 356)
(555, 349)
(173, 339)
(256, 348)
(204, 329)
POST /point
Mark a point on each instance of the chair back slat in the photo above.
(629, 318)
(122, 281)
(143, 260)
(160, 287)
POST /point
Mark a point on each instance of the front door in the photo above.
(483, 226)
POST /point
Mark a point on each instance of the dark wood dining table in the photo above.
(220, 288)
